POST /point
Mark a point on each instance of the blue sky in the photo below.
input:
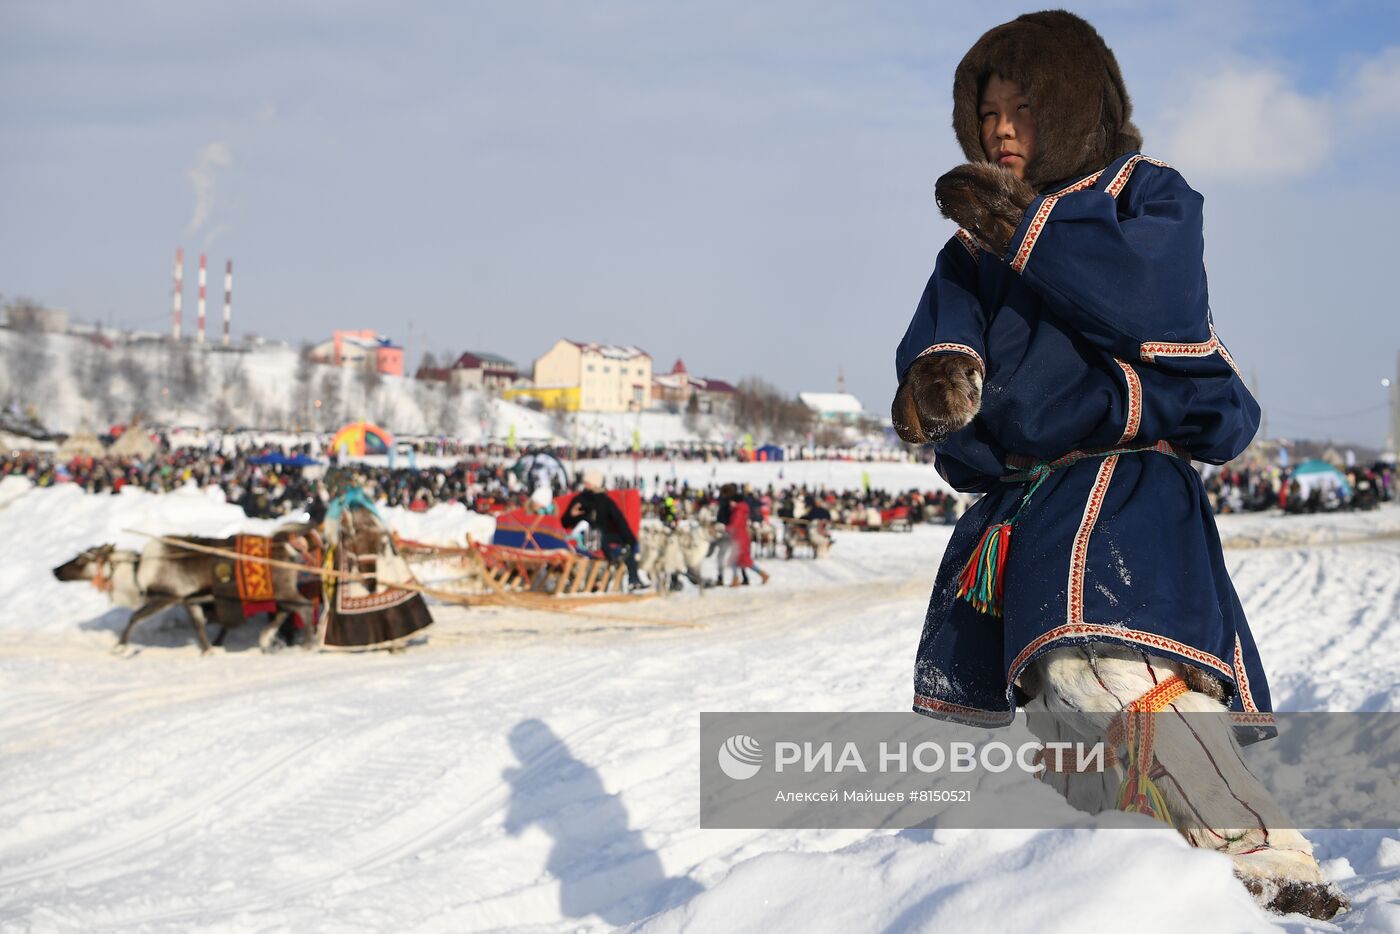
(747, 186)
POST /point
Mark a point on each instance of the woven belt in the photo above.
(983, 579)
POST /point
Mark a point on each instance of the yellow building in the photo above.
(603, 377)
(550, 397)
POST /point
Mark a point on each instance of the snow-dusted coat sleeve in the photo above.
(1124, 272)
(949, 318)
(1119, 259)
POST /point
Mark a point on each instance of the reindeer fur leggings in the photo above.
(1199, 763)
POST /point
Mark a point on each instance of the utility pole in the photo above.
(1263, 412)
(1394, 439)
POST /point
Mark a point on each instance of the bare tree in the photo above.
(305, 372)
(187, 376)
(28, 352)
(760, 407)
(691, 420)
(235, 391)
(370, 378)
(450, 414)
(135, 375)
(329, 395)
(93, 373)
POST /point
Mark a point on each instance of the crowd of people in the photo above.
(1300, 490)
(490, 479)
(487, 482)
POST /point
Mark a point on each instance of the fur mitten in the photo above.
(940, 394)
(986, 201)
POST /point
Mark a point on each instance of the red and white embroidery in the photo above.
(958, 348)
(1153, 349)
(1037, 224)
(1118, 634)
(1242, 680)
(1134, 420)
(934, 705)
(1115, 187)
(969, 241)
(1087, 182)
(1220, 346)
(1079, 552)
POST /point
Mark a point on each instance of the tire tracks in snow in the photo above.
(125, 840)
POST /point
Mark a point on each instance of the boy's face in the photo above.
(1008, 128)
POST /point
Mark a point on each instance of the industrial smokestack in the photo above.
(202, 278)
(178, 290)
(228, 297)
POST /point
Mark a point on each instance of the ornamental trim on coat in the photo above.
(1037, 225)
(934, 705)
(969, 242)
(1134, 419)
(955, 348)
(1242, 680)
(1152, 349)
(1114, 189)
(1079, 551)
(1220, 346)
(1118, 634)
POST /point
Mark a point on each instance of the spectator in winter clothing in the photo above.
(597, 509)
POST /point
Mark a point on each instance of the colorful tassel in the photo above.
(983, 579)
(1137, 727)
(1139, 794)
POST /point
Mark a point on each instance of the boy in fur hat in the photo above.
(1064, 361)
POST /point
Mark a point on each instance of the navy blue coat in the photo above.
(1095, 334)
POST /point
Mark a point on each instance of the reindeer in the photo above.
(163, 575)
(666, 553)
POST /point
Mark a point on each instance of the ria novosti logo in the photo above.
(740, 757)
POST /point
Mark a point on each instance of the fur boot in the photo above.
(1198, 768)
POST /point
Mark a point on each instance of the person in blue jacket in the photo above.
(1065, 362)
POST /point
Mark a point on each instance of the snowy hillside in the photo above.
(532, 771)
(73, 382)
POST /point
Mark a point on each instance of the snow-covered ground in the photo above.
(538, 772)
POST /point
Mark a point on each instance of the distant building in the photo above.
(25, 316)
(589, 377)
(480, 370)
(676, 388)
(354, 348)
(837, 407)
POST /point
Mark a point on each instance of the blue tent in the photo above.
(278, 459)
(769, 452)
(1319, 473)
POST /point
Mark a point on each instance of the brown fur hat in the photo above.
(1082, 111)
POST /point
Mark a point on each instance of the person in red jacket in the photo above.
(735, 513)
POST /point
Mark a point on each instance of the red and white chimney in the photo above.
(228, 298)
(202, 278)
(178, 291)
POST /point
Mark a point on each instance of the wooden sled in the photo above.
(503, 570)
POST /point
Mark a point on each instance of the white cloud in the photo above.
(1247, 122)
(202, 176)
(1374, 91)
